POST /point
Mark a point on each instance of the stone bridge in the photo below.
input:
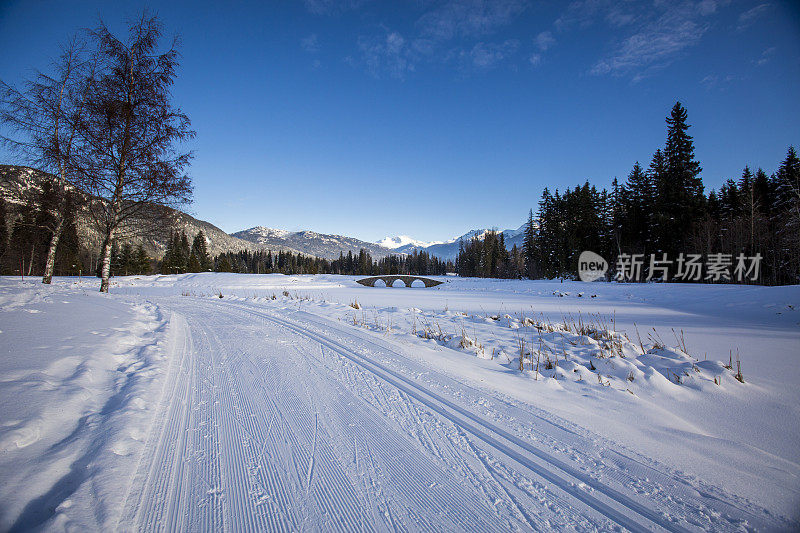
(389, 280)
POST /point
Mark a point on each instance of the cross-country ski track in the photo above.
(279, 420)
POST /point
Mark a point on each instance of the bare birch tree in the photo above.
(43, 116)
(128, 159)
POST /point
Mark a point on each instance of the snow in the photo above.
(315, 402)
(76, 384)
(265, 232)
(404, 240)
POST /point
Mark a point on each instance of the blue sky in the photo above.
(371, 118)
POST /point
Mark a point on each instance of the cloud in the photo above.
(766, 56)
(386, 54)
(332, 7)
(658, 39)
(712, 81)
(451, 32)
(310, 44)
(535, 59)
(709, 81)
(748, 17)
(468, 18)
(545, 40)
(487, 55)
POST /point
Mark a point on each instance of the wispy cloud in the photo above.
(332, 7)
(487, 55)
(657, 39)
(544, 40)
(713, 81)
(454, 31)
(388, 53)
(310, 44)
(468, 18)
(766, 56)
(747, 18)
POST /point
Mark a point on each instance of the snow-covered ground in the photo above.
(311, 402)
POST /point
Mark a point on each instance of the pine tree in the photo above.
(168, 263)
(529, 246)
(22, 243)
(786, 218)
(125, 260)
(680, 199)
(730, 201)
(764, 192)
(224, 264)
(142, 261)
(194, 264)
(3, 233)
(200, 250)
(749, 206)
(637, 197)
(788, 184)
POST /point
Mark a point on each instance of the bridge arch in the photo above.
(391, 281)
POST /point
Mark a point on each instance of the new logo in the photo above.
(591, 266)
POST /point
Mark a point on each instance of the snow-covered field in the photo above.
(311, 402)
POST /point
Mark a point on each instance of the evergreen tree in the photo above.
(125, 260)
(529, 246)
(22, 244)
(764, 192)
(680, 199)
(3, 233)
(788, 184)
(142, 261)
(730, 203)
(185, 250)
(636, 197)
(169, 264)
(224, 264)
(786, 219)
(200, 251)
(194, 264)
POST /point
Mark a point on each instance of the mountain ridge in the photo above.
(257, 238)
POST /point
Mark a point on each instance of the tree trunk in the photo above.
(47, 278)
(30, 264)
(105, 273)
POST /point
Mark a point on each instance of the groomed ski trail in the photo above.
(276, 420)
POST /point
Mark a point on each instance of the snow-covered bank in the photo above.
(649, 412)
(77, 376)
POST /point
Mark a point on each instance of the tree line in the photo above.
(181, 257)
(25, 243)
(659, 212)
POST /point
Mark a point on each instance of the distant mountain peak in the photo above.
(399, 241)
(310, 242)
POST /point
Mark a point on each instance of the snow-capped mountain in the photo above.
(19, 182)
(448, 249)
(402, 241)
(310, 242)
